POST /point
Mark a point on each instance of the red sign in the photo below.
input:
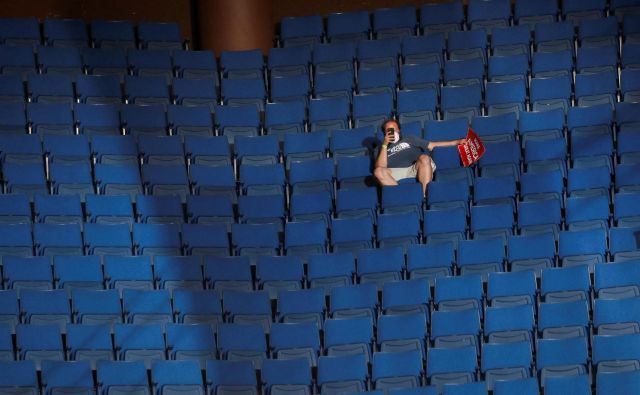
(472, 150)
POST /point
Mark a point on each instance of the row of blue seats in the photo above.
(104, 34)
(282, 376)
(581, 244)
(445, 17)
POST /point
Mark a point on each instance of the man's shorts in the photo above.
(398, 173)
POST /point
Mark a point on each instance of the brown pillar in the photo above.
(234, 24)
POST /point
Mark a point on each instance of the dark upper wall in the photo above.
(135, 10)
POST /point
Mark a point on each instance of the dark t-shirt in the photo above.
(406, 151)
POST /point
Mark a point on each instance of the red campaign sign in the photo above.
(472, 150)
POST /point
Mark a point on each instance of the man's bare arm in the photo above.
(447, 143)
(381, 160)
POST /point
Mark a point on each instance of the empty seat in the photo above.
(197, 307)
(27, 273)
(145, 307)
(342, 373)
(19, 374)
(429, 261)
(57, 239)
(53, 118)
(50, 88)
(169, 377)
(394, 22)
(145, 90)
(348, 26)
(71, 179)
(488, 15)
(96, 307)
(109, 236)
(242, 342)
(97, 119)
(60, 60)
(195, 64)
(565, 284)
(160, 35)
(20, 31)
(90, 343)
(64, 32)
(166, 180)
(507, 360)
(247, 64)
(112, 34)
(161, 239)
(458, 293)
(78, 272)
(155, 63)
(302, 30)
(99, 89)
(178, 272)
(237, 121)
(236, 376)
(148, 120)
(563, 320)
(123, 272)
(38, 343)
(454, 365)
(139, 343)
(442, 17)
(561, 357)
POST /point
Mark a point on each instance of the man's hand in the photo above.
(388, 139)
(462, 141)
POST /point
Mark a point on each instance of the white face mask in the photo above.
(396, 137)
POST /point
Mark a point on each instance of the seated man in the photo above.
(406, 157)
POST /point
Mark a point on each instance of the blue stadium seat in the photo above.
(39, 343)
(63, 149)
(261, 150)
(613, 317)
(451, 366)
(626, 178)
(237, 121)
(118, 180)
(156, 239)
(511, 289)
(445, 17)
(561, 357)
(554, 36)
(330, 270)
(291, 88)
(128, 272)
(115, 376)
(178, 273)
(50, 88)
(398, 229)
(20, 31)
(195, 92)
(306, 237)
(461, 101)
(17, 61)
(406, 297)
(351, 233)
(445, 225)
(71, 179)
(357, 301)
(247, 64)
(242, 342)
(23, 273)
(112, 34)
(430, 261)
(224, 376)
(546, 155)
(509, 324)
(11, 89)
(565, 284)
(495, 190)
(275, 274)
(616, 281)
(532, 251)
(197, 65)
(285, 118)
(464, 72)
(19, 374)
(598, 32)
(348, 26)
(301, 306)
(455, 329)
(301, 30)
(205, 239)
(577, 11)
(165, 180)
(282, 376)
(358, 202)
(551, 93)
(372, 109)
(623, 245)
(401, 369)
(58, 209)
(424, 49)
(94, 120)
(506, 361)
(238, 92)
(380, 265)
(109, 235)
(144, 120)
(139, 343)
(563, 320)
(159, 35)
(496, 128)
(156, 63)
(190, 121)
(146, 307)
(222, 273)
(394, 22)
(528, 386)
(507, 68)
(587, 212)
(57, 239)
(629, 58)
(506, 97)
(93, 307)
(15, 209)
(50, 118)
(174, 377)
(24, 178)
(21, 149)
(91, 343)
(255, 239)
(9, 313)
(334, 84)
(597, 59)
(622, 382)
(161, 150)
(449, 193)
(458, 293)
(315, 206)
(417, 106)
(501, 159)
(78, 272)
(381, 53)
(104, 62)
(467, 45)
(481, 256)
(531, 12)
(59, 60)
(213, 180)
(60, 376)
(64, 32)
(511, 40)
(202, 209)
(289, 61)
(342, 373)
(552, 64)
(582, 247)
(190, 342)
(488, 15)
(531, 219)
(334, 57)
(197, 307)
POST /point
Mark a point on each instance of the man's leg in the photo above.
(384, 177)
(425, 172)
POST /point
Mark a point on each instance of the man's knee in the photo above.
(424, 161)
